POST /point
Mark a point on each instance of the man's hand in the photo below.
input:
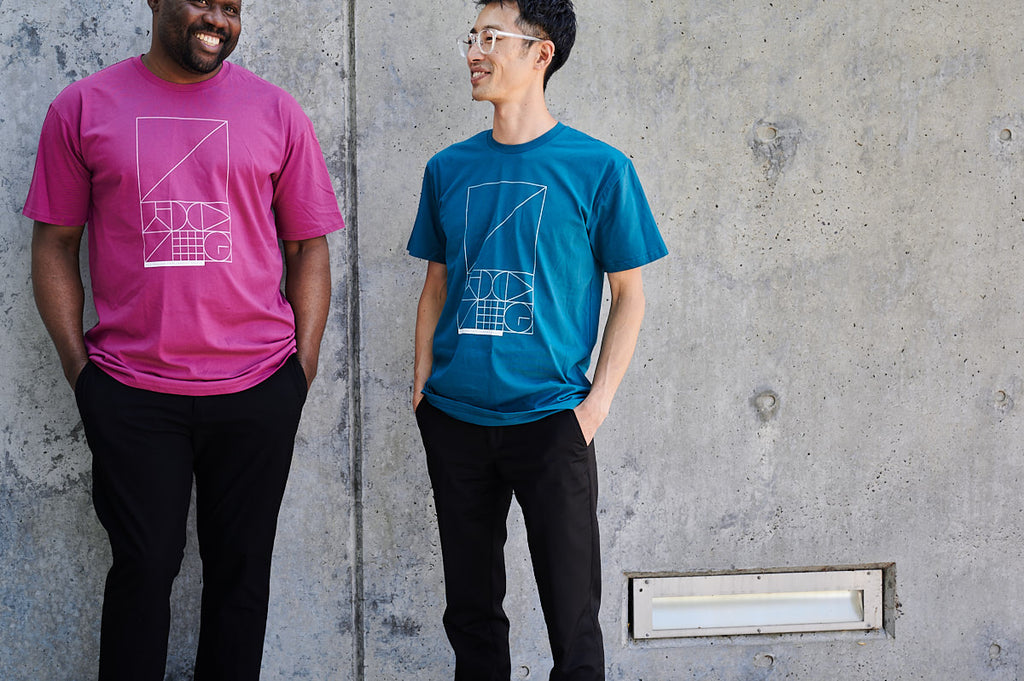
(308, 373)
(590, 414)
(75, 371)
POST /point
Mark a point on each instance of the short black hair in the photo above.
(553, 20)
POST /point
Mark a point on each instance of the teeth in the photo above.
(206, 39)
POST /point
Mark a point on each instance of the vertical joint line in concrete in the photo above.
(355, 407)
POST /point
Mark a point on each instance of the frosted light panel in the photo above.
(750, 603)
(756, 610)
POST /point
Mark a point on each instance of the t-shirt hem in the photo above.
(198, 388)
(313, 233)
(432, 257)
(640, 261)
(487, 417)
(60, 221)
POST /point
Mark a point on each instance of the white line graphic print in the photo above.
(183, 169)
(502, 223)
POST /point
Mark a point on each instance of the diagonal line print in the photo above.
(184, 158)
(511, 214)
(156, 247)
(216, 217)
(470, 265)
(161, 225)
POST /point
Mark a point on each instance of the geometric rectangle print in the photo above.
(503, 221)
(183, 169)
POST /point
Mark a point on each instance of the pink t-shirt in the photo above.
(186, 190)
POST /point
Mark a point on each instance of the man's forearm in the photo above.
(308, 290)
(59, 294)
(617, 345)
(428, 311)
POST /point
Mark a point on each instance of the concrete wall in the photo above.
(838, 184)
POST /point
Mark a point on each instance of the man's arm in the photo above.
(620, 334)
(307, 287)
(435, 292)
(59, 294)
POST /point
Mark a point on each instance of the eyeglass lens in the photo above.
(484, 40)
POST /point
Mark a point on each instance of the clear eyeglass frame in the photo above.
(486, 39)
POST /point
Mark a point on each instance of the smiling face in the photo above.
(509, 72)
(191, 38)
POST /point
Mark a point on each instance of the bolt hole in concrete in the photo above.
(765, 402)
(523, 672)
(995, 650)
(763, 660)
(1006, 134)
(1002, 401)
(766, 133)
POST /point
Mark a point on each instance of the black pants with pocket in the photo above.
(146, 448)
(474, 471)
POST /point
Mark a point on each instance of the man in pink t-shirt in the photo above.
(189, 172)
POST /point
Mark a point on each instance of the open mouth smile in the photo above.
(208, 39)
(476, 75)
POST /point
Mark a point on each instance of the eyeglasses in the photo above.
(486, 39)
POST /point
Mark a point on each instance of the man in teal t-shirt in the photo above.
(519, 225)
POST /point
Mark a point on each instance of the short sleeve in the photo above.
(623, 232)
(305, 205)
(427, 239)
(61, 182)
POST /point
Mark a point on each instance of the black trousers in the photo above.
(474, 471)
(146, 448)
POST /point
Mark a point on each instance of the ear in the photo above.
(153, 4)
(544, 55)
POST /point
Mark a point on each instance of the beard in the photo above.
(189, 59)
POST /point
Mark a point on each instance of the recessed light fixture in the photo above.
(756, 603)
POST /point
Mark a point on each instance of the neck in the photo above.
(165, 68)
(519, 124)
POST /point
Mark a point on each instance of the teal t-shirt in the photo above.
(527, 232)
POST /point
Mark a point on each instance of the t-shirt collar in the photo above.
(181, 87)
(527, 146)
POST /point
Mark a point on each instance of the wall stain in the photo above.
(88, 28)
(405, 626)
(27, 42)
